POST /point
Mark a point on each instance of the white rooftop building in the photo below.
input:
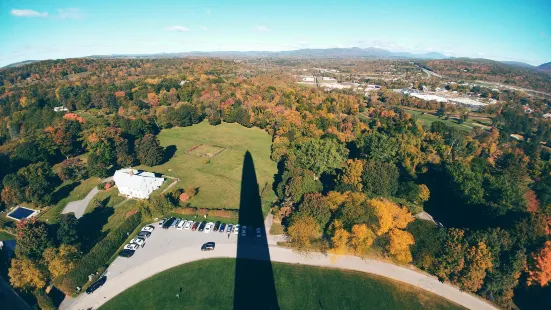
(136, 184)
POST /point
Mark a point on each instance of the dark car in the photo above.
(195, 226)
(216, 226)
(169, 222)
(209, 246)
(144, 234)
(222, 228)
(126, 253)
(202, 226)
(96, 285)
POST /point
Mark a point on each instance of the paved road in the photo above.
(79, 206)
(169, 248)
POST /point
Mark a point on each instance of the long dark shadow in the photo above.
(254, 279)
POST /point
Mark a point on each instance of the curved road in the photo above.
(79, 206)
(117, 282)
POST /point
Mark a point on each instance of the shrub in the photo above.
(44, 301)
(98, 256)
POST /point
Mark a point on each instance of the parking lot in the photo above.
(168, 240)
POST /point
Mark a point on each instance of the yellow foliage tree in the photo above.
(478, 260)
(424, 193)
(352, 173)
(389, 215)
(335, 199)
(540, 269)
(26, 275)
(340, 236)
(62, 260)
(303, 230)
(362, 238)
(400, 241)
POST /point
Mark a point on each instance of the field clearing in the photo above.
(218, 178)
(427, 119)
(297, 287)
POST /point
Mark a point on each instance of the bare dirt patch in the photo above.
(205, 150)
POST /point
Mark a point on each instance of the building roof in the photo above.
(135, 179)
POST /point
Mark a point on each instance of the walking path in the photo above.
(127, 279)
(79, 206)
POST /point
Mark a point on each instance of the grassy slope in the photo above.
(6, 236)
(218, 179)
(111, 199)
(208, 284)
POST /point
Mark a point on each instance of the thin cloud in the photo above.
(544, 35)
(261, 28)
(28, 13)
(178, 28)
(69, 13)
(208, 12)
(204, 28)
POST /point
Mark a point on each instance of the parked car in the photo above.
(216, 226)
(222, 228)
(195, 226)
(131, 246)
(229, 228)
(168, 223)
(188, 224)
(202, 226)
(126, 253)
(96, 285)
(175, 222)
(144, 234)
(236, 229)
(181, 224)
(161, 223)
(208, 227)
(139, 241)
(149, 228)
(243, 231)
(209, 246)
(258, 233)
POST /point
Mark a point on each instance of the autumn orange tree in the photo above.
(399, 243)
(540, 271)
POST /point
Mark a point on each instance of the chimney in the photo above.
(131, 172)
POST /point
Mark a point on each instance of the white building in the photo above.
(136, 184)
(308, 79)
(328, 78)
(60, 109)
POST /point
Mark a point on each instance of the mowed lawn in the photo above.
(208, 284)
(218, 178)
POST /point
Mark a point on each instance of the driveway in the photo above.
(79, 206)
(170, 248)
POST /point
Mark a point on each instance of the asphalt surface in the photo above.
(79, 206)
(170, 248)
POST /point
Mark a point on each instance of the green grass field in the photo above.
(218, 178)
(5, 236)
(208, 284)
(427, 119)
(111, 199)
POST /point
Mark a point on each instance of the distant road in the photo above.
(170, 248)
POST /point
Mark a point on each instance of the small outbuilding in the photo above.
(136, 183)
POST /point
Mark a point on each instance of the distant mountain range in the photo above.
(352, 52)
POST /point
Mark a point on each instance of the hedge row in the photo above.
(98, 256)
(227, 213)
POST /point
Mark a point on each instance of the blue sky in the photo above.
(495, 29)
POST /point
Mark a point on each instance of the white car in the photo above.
(148, 228)
(258, 234)
(208, 227)
(138, 241)
(131, 246)
(181, 225)
(236, 229)
(188, 224)
(244, 231)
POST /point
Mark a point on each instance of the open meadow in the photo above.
(211, 159)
